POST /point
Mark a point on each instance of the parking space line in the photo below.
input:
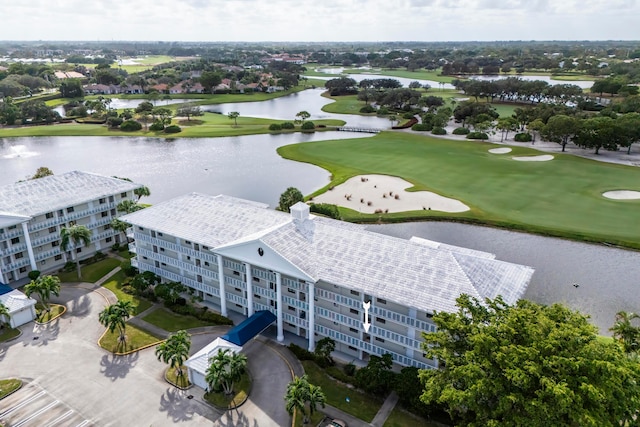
(60, 418)
(22, 403)
(37, 413)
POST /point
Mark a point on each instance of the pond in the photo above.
(286, 108)
(246, 167)
(584, 84)
(606, 277)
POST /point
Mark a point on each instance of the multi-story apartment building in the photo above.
(33, 212)
(371, 293)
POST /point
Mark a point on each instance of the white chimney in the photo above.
(299, 211)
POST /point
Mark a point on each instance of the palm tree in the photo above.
(234, 116)
(4, 314)
(225, 368)
(120, 227)
(115, 317)
(44, 286)
(296, 396)
(75, 236)
(175, 350)
(128, 206)
(316, 397)
(624, 331)
(142, 191)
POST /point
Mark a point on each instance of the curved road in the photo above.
(64, 359)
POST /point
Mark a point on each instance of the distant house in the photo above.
(22, 309)
(99, 89)
(162, 88)
(132, 90)
(176, 89)
(69, 75)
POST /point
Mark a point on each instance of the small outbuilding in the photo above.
(22, 309)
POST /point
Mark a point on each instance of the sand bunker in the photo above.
(503, 150)
(543, 158)
(622, 195)
(383, 193)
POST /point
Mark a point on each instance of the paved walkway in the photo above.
(385, 410)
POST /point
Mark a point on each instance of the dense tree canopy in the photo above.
(528, 365)
(290, 197)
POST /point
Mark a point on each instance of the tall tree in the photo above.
(128, 206)
(120, 227)
(142, 192)
(290, 197)
(74, 237)
(234, 116)
(175, 350)
(115, 317)
(626, 332)
(188, 111)
(5, 315)
(41, 172)
(560, 129)
(300, 394)
(527, 364)
(44, 286)
(303, 115)
(225, 368)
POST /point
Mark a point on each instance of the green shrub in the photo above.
(408, 115)
(301, 353)
(114, 122)
(477, 135)
(523, 137)
(130, 126)
(326, 209)
(383, 111)
(33, 274)
(130, 271)
(275, 126)
(308, 126)
(422, 127)
(172, 129)
(438, 131)
(461, 131)
(69, 266)
(367, 109)
(339, 374)
(288, 125)
(350, 369)
(156, 127)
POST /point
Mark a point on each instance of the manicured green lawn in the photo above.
(90, 273)
(172, 322)
(46, 316)
(8, 386)
(348, 104)
(560, 197)
(241, 392)
(181, 381)
(7, 333)
(360, 405)
(401, 418)
(114, 284)
(136, 339)
(126, 254)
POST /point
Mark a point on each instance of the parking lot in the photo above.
(34, 406)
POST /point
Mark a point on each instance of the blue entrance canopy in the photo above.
(251, 327)
(5, 289)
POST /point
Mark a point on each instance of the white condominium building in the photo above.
(33, 212)
(371, 293)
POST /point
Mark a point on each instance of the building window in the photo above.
(161, 249)
(57, 257)
(78, 250)
(113, 212)
(108, 239)
(380, 320)
(15, 240)
(257, 296)
(205, 248)
(381, 301)
(379, 339)
(54, 244)
(206, 263)
(355, 292)
(52, 230)
(43, 262)
(23, 269)
(291, 308)
(140, 229)
(49, 215)
(354, 311)
(429, 315)
(102, 201)
(236, 273)
(163, 264)
(160, 234)
(104, 214)
(353, 348)
(238, 289)
(256, 279)
(271, 285)
(107, 226)
(291, 291)
(19, 255)
(353, 330)
(70, 209)
(123, 195)
(238, 305)
(186, 242)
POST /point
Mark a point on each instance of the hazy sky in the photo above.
(320, 20)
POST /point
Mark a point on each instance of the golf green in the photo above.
(561, 197)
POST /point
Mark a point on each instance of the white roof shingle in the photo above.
(417, 274)
(42, 195)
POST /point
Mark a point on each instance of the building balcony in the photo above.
(132, 248)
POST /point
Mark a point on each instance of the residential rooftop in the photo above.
(39, 196)
(414, 274)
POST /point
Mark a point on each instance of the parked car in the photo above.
(338, 423)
